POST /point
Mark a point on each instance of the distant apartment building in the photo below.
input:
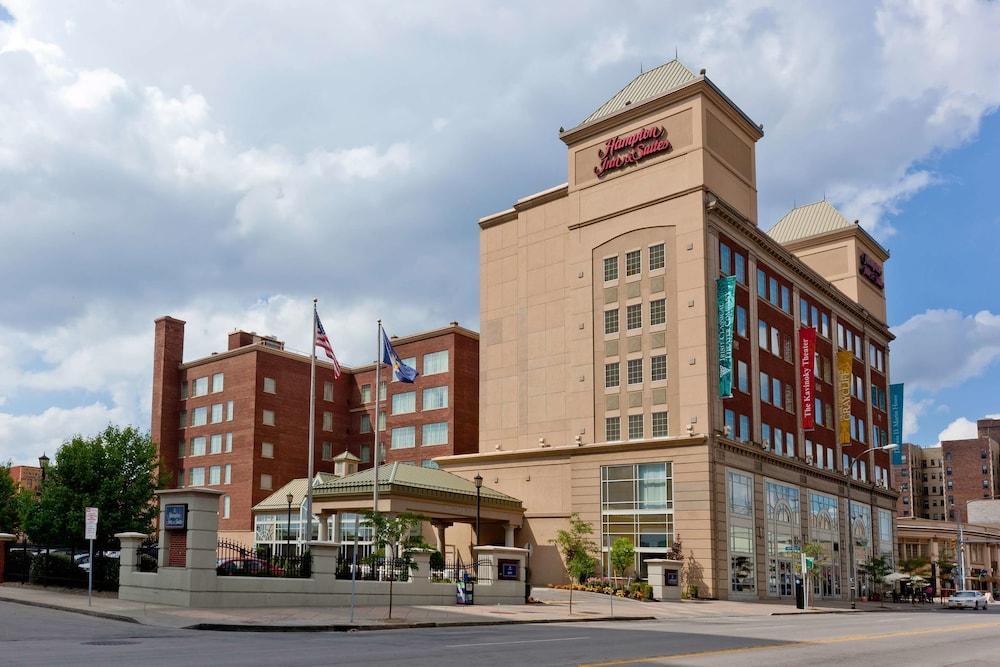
(238, 421)
(27, 477)
(937, 482)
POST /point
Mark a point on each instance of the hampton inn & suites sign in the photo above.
(625, 149)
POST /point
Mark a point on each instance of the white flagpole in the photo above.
(307, 536)
(378, 395)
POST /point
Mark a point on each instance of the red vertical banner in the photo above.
(807, 379)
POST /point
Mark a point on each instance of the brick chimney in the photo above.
(168, 353)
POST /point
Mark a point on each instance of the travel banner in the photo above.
(726, 301)
(896, 421)
(807, 357)
(845, 366)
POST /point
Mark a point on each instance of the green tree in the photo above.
(393, 538)
(622, 556)
(877, 568)
(114, 471)
(816, 552)
(577, 549)
(10, 521)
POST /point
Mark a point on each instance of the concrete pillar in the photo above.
(5, 539)
(324, 558)
(128, 562)
(337, 537)
(508, 538)
(439, 529)
(422, 559)
(324, 533)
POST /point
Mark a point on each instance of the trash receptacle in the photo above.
(800, 594)
(465, 591)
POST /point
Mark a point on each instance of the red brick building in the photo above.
(26, 477)
(238, 420)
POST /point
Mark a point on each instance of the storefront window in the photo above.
(637, 504)
(861, 531)
(824, 529)
(783, 536)
(742, 566)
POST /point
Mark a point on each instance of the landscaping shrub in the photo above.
(56, 570)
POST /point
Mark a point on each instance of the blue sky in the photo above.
(226, 162)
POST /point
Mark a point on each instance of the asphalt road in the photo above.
(35, 636)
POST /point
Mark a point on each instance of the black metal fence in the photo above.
(459, 571)
(375, 569)
(147, 555)
(63, 566)
(235, 559)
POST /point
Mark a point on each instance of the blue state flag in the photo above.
(400, 371)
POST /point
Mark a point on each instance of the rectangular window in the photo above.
(658, 367)
(266, 450)
(270, 386)
(366, 393)
(825, 325)
(436, 362)
(656, 257)
(434, 434)
(635, 371)
(435, 398)
(328, 391)
(765, 435)
(217, 413)
(786, 300)
(633, 262)
(772, 289)
(200, 387)
(741, 321)
(215, 475)
(658, 311)
(637, 504)
(180, 448)
(744, 428)
(199, 417)
(366, 453)
(229, 442)
(790, 444)
(635, 430)
(404, 437)
(227, 477)
(611, 321)
(215, 444)
(197, 477)
(184, 391)
(762, 337)
(612, 429)
(761, 284)
(775, 342)
(741, 268)
(659, 424)
(218, 380)
(633, 316)
(803, 312)
(729, 418)
(725, 259)
(226, 506)
(183, 419)
(381, 390)
(404, 403)
(267, 416)
(229, 411)
(198, 446)
(265, 482)
(765, 388)
(610, 268)
(327, 420)
(381, 421)
(611, 375)
(743, 377)
(327, 451)
(366, 424)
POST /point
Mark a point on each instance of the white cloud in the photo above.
(960, 429)
(25, 437)
(608, 48)
(91, 89)
(943, 348)
(912, 411)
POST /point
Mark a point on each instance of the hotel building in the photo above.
(238, 421)
(600, 366)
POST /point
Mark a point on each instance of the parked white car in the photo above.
(967, 600)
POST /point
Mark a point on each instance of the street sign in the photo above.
(793, 548)
(90, 530)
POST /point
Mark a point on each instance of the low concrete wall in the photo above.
(198, 585)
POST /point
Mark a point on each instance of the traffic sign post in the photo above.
(90, 533)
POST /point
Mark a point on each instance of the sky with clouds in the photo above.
(225, 162)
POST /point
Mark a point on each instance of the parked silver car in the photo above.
(967, 600)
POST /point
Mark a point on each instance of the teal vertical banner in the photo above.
(896, 421)
(726, 301)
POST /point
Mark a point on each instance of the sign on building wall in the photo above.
(871, 270)
(726, 300)
(807, 355)
(625, 149)
(175, 517)
(896, 421)
(845, 366)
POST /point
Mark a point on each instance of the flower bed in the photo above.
(638, 590)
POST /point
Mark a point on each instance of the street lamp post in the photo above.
(850, 523)
(288, 527)
(478, 479)
(43, 463)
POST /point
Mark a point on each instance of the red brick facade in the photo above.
(27, 477)
(221, 434)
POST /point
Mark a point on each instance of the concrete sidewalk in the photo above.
(553, 607)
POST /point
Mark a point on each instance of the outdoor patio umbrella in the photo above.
(894, 577)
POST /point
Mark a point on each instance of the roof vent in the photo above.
(628, 102)
(453, 324)
(702, 71)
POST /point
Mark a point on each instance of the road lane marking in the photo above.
(792, 644)
(520, 641)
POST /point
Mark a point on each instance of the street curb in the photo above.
(73, 610)
(830, 611)
(347, 627)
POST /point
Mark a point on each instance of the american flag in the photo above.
(324, 342)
